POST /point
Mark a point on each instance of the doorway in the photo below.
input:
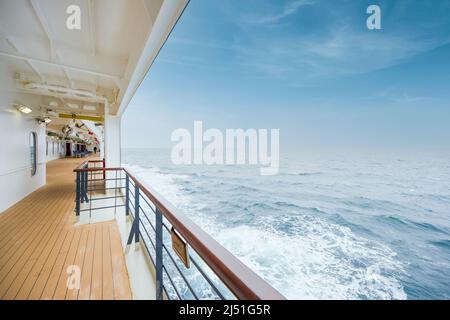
(68, 149)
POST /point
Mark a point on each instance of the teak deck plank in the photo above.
(86, 271)
(52, 281)
(16, 278)
(15, 236)
(18, 273)
(96, 281)
(10, 222)
(22, 287)
(122, 290)
(107, 279)
(61, 287)
(72, 293)
(39, 241)
(16, 256)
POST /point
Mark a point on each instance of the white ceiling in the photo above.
(39, 48)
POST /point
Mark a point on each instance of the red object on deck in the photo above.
(104, 172)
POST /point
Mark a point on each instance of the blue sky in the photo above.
(308, 67)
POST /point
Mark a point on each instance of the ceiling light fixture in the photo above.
(24, 109)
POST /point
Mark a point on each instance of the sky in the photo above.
(310, 68)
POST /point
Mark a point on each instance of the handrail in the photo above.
(96, 169)
(81, 166)
(240, 279)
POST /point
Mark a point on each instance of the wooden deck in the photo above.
(39, 242)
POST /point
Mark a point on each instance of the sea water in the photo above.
(371, 224)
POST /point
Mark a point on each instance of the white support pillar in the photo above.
(112, 141)
(112, 145)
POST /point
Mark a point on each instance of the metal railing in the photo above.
(204, 270)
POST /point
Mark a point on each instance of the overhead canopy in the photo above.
(91, 71)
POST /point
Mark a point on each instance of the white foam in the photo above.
(166, 184)
(324, 261)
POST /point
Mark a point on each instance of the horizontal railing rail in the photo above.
(226, 270)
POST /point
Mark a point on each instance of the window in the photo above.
(33, 153)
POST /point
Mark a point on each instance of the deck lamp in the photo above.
(45, 120)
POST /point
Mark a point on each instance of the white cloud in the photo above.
(288, 10)
(406, 99)
(337, 47)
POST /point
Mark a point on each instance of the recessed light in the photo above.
(53, 104)
(72, 106)
(24, 109)
(89, 108)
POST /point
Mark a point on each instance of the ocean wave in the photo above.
(260, 206)
(444, 243)
(402, 223)
(293, 173)
(297, 208)
(241, 188)
(287, 204)
(375, 204)
(436, 197)
(428, 227)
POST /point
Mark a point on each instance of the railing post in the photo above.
(127, 195)
(78, 194)
(82, 186)
(86, 185)
(134, 232)
(159, 254)
(136, 213)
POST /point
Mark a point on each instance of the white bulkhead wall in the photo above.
(16, 181)
(56, 149)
